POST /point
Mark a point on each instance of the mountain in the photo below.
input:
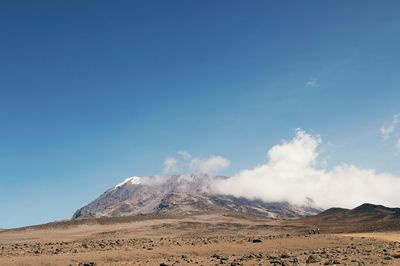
(182, 195)
(366, 217)
(364, 212)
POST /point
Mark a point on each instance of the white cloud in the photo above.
(185, 155)
(312, 83)
(186, 163)
(210, 165)
(291, 174)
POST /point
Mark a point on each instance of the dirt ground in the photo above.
(196, 240)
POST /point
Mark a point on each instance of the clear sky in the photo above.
(92, 92)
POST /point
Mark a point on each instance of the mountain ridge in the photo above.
(363, 218)
(182, 195)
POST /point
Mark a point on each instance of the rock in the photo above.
(248, 256)
(257, 240)
(313, 259)
(332, 262)
(358, 262)
(396, 255)
(216, 256)
(285, 255)
(56, 251)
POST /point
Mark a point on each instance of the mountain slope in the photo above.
(181, 194)
(366, 217)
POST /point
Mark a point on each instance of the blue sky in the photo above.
(92, 92)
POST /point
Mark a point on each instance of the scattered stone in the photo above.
(87, 264)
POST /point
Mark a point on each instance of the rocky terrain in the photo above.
(181, 195)
(211, 239)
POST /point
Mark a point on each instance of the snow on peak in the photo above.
(134, 180)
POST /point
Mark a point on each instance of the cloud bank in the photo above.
(184, 162)
(292, 174)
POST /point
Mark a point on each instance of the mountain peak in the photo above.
(180, 195)
(134, 180)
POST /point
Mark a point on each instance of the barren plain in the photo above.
(211, 239)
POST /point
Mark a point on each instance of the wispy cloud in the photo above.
(185, 155)
(392, 131)
(184, 162)
(312, 83)
(210, 165)
(170, 165)
(292, 174)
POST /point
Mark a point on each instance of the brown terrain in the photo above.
(365, 218)
(367, 235)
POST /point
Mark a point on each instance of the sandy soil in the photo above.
(197, 240)
(388, 236)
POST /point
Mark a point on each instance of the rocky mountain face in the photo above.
(180, 195)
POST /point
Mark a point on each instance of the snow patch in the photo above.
(134, 180)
